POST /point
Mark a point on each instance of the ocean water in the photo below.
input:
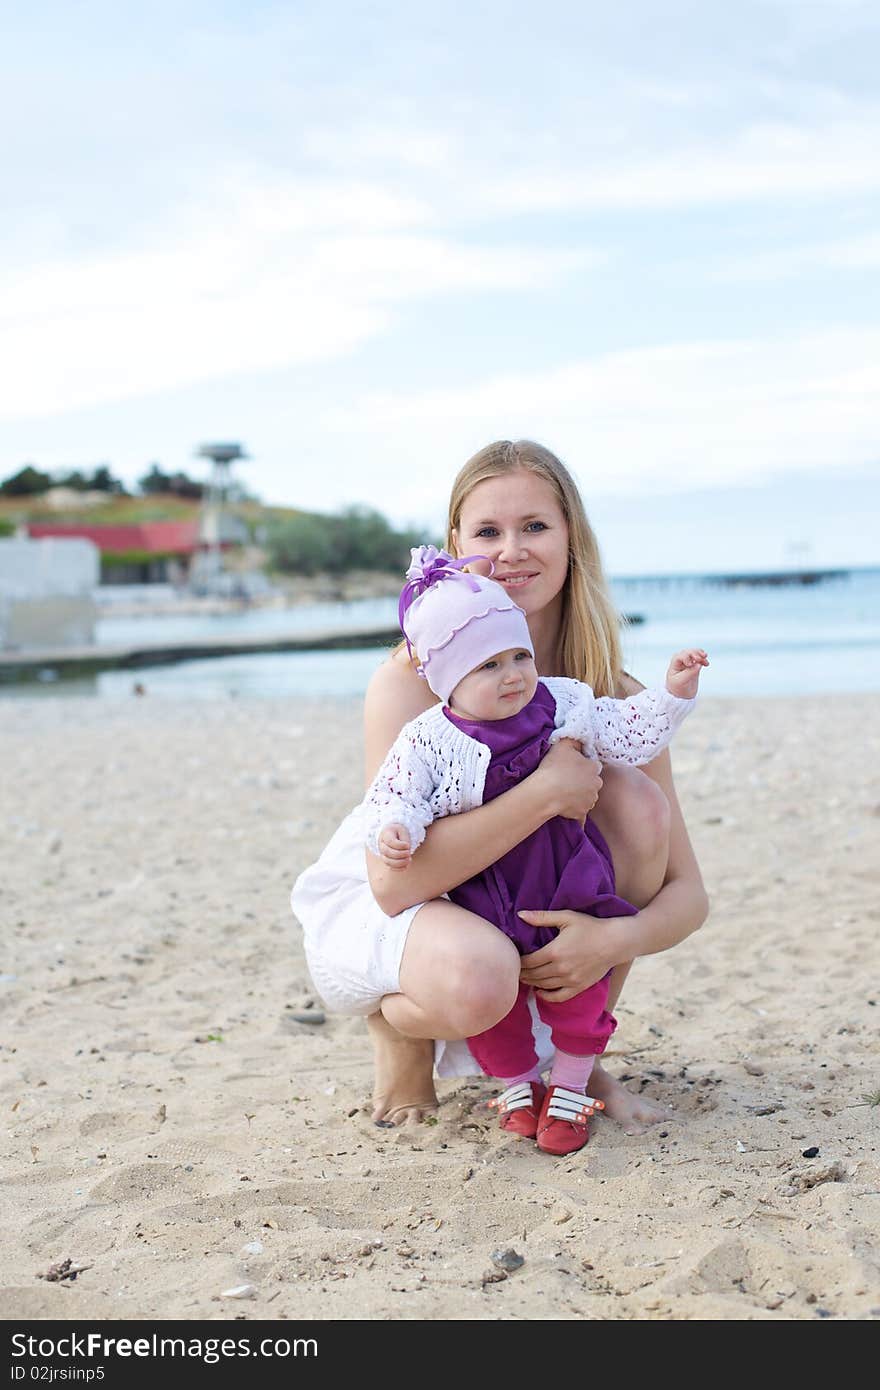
(793, 639)
(821, 638)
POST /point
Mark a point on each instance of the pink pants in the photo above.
(581, 1026)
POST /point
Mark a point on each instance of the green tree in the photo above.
(182, 485)
(76, 480)
(300, 544)
(175, 484)
(356, 538)
(154, 481)
(365, 540)
(368, 541)
(27, 482)
(102, 480)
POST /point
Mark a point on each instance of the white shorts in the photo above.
(354, 950)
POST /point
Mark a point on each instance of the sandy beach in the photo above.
(171, 1124)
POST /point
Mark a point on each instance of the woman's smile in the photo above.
(515, 581)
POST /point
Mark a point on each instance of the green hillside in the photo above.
(131, 511)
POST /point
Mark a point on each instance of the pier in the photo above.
(81, 661)
(776, 579)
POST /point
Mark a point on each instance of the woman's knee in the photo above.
(465, 970)
(480, 994)
(653, 817)
(637, 812)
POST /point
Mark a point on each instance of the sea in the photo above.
(763, 638)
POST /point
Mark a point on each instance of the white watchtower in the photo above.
(216, 495)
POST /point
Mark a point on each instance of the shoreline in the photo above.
(168, 1112)
(23, 666)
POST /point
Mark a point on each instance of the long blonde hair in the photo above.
(590, 648)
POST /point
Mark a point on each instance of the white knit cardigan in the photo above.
(434, 769)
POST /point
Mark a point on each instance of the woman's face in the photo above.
(516, 520)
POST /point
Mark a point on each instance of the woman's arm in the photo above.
(457, 847)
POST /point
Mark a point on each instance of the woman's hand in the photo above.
(585, 950)
(571, 782)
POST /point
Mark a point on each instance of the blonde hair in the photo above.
(590, 647)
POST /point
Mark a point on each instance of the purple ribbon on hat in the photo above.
(428, 567)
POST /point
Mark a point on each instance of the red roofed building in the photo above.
(149, 552)
(155, 537)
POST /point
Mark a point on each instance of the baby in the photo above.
(495, 722)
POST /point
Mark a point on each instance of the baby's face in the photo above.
(498, 688)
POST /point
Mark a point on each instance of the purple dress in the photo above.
(561, 864)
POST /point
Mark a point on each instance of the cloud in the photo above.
(847, 254)
(770, 161)
(665, 419)
(376, 143)
(810, 143)
(263, 275)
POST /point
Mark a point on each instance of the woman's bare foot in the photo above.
(404, 1075)
(633, 1112)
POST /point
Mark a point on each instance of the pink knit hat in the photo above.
(455, 620)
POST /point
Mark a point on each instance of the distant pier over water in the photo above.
(775, 580)
(751, 579)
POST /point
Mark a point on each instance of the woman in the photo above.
(386, 942)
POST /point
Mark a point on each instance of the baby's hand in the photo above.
(683, 675)
(394, 848)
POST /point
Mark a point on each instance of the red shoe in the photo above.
(519, 1107)
(562, 1123)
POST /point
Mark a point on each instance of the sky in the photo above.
(364, 240)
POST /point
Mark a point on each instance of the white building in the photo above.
(46, 589)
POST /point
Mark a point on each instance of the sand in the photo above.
(171, 1125)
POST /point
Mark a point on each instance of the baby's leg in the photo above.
(508, 1051)
(581, 1026)
(580, 1029)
